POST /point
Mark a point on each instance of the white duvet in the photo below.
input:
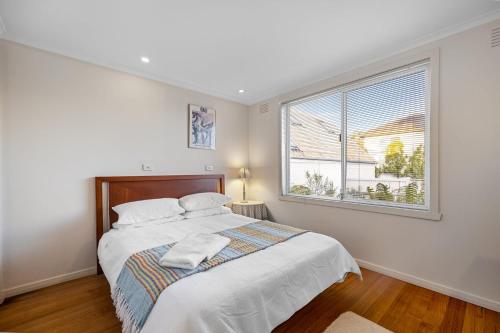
(254, 293)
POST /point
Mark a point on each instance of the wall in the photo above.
(2, 142)
(69, 121)
(459, 255)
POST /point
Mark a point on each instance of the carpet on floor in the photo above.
(349, 322)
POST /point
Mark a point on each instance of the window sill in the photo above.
(413, 213)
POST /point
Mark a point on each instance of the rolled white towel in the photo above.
(216, 244)
(189, 252)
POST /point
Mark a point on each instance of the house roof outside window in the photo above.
(312, 137)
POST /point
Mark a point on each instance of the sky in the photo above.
(373, 105)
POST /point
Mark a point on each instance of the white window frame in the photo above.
(375, 73)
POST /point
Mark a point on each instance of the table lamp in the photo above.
(244, 175)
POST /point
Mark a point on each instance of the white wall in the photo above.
(2, 142)
(69, 121)
(460, 254)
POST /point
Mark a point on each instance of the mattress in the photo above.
(254, 293)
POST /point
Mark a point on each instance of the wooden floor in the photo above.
(84, 305)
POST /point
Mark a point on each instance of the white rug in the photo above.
(349, 322)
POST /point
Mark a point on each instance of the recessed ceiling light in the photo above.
(241, 91)
(145, 60)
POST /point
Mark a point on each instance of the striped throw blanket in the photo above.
(142, 278)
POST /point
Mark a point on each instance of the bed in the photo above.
(254, 293)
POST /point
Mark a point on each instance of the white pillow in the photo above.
(207, 212)
(205, 200)
(147, 210)
(149, 223)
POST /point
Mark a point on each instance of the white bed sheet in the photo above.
(254, 293)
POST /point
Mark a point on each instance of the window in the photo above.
(364, 143)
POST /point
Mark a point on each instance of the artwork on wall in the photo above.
(201, 127)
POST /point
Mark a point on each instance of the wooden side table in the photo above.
(253, 209)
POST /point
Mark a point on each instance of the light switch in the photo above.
(147, 167)
(209, 168)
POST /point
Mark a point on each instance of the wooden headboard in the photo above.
(122, 189)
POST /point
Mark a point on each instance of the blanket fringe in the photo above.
(129, 325)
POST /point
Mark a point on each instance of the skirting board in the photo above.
(24, 288)
(440, 288)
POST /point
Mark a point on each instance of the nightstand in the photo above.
(250, 208)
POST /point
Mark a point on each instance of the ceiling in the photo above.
(266, 47)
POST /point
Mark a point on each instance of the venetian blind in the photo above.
(362, 142)
(386, 130)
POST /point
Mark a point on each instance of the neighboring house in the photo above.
(315, 147)
(409, 130)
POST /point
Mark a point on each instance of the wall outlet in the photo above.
(209, 168)
(147, 167)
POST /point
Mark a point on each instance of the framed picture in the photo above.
(201, 127)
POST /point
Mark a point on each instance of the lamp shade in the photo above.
(244, 173)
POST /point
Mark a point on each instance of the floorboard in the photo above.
(84, 305)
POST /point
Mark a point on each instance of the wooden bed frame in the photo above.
(122, 189)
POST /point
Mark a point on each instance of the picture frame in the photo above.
(202, 127)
